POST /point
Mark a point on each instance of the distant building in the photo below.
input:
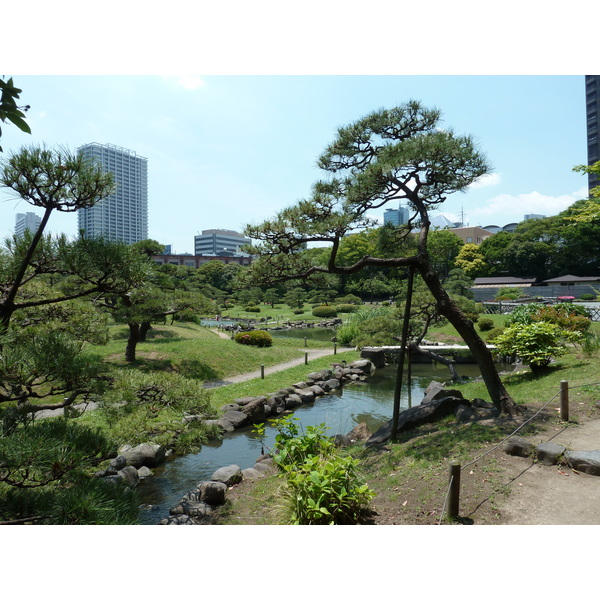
(191, 260)
(122, 216)
(532, 216)
(25, 221)
(592, 108)
(215, 241)
(441, 222)
(471, 235)
(395, 216)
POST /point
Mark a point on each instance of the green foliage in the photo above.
(566, 315)
(535, 344)
(348, 333)
(9, 110)
(485, 324)
(257, 337)
(587, 297)
(325, 312)
(346, 308)
(323, 485)
(494, 333)
(252, 309)
(142, 406)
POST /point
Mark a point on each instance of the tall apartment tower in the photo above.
(592, 108)
(122, 216)
(25, 221)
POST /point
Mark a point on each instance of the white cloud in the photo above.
(487, 180)
(507, 208)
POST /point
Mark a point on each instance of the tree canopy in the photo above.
(391, 154)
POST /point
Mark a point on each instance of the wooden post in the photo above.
(305, 358)
(564, 400)
(454, 490)
(335, 347)
(305, 341)
(262, 371)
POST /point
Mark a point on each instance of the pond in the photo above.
(370, 402)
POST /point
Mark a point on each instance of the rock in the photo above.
(584, 461)
(129, 476)
(377, 357)
(417, 415)
(292, 401)
(236, 418)
(317, 390)
(342, 440)
(264, 466)
(119, 462)
(364, 365)
(144, 472)
(255, 410)
(306, 395)
(330, 385)
(480, 403)
(435, 393)
(549, 453)
(518, 446)
(464, 414)
(212, 492)
(149, 455)
(252, 473)
(359, 433)
(191, 508)
(244, 401)
(178, 520)
(228, 475)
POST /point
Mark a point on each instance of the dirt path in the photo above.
(550, 495)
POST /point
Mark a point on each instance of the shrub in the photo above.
(566, 315)
(485, 324)
(324, 312)
(257, 337)
(587, 297)
(494, 333)
(535, 344)
(323, 485)
(346, 308)
(252, 309)
(298, 311)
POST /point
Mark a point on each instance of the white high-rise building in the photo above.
(25, 221)
(122, 216)
(214, 241)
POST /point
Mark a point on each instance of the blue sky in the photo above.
(226, 150)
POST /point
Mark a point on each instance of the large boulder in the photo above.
(377, 357)
(418, 415)
(145, 455)
(256, 410)
(212, 492)
(228, 475)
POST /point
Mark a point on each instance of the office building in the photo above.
(592, 108)
(395, 216)
(122, 216)
(219, 241)
(25, 221)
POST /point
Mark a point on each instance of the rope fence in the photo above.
(452, 497)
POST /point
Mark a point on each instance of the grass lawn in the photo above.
(280, 313)
(197, 352)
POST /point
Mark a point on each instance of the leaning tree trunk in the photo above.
(144, 328)
(448, 308)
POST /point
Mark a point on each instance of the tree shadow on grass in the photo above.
(192, 369)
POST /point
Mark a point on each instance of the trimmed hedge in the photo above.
(257, 337)
(346, 308)
(324, 312)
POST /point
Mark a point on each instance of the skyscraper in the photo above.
(122, 216)
(592, 106)
(396, 216)
(25, 221)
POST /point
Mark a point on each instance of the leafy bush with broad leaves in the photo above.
(323, 485)
(324, 312)
(257, 337)
(566, 315)
(535, 344)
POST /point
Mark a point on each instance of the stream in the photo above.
(370, 402)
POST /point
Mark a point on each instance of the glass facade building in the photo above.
(592, 106)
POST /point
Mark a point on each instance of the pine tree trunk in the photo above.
(134, 338)
(144, 328)
(448, 308)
